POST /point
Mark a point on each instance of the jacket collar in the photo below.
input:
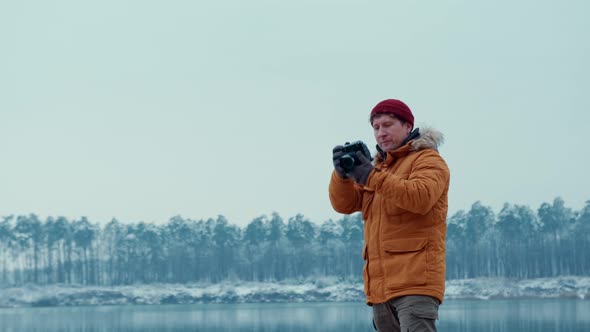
(427, 138)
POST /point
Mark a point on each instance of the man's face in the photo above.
(389, 131)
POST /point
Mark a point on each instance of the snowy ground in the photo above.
(332, 290)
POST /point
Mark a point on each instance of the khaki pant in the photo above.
(413, 313)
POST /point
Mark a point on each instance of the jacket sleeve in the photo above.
(426, 183)
(345, 196)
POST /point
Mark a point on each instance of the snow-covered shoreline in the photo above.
(324, 290)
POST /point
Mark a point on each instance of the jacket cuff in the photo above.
(337, 179)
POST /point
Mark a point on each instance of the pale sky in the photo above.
(142, 110)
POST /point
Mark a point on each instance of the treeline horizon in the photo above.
(517, 242)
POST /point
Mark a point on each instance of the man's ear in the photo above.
(408, 128)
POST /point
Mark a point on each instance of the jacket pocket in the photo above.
(366, 279)
(404, 262)
(366, 271)
(393, 211)
(368, 195)
(389, 206)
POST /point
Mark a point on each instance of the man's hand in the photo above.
(360, 173)
(336, 154)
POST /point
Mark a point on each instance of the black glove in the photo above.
(336, 154)
(360, 173)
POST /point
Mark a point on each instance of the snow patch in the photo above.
(320, 290)
(494, 288)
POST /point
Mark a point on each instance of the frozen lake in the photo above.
(538, 315)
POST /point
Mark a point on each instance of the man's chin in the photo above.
(387, 147)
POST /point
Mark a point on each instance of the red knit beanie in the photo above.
(395, 107)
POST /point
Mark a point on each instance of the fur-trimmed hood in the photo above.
(429, 138)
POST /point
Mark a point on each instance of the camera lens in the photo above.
(347, 162)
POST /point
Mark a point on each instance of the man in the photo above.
(403, 200)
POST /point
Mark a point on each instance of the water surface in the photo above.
(455, 315)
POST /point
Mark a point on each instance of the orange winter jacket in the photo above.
(404, 208)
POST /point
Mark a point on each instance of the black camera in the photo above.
(349, 159)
